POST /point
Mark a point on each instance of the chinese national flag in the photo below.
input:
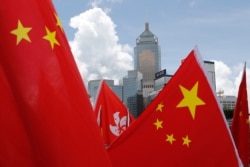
(46, 119)
(182, 126)
(240, 122)
(112, 115)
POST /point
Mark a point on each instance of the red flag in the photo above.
(240, 122)
(46, 118)
(183, 126)
(112, 115)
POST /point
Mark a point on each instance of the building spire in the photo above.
(146, 26)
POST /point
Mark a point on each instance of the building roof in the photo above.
(147, 36)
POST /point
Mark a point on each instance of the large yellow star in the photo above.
(170, 138)
(51, 37)
(21, 32)
(159, 107)
(58, 22)
(158, 124)
(186, 141)
(190, 99)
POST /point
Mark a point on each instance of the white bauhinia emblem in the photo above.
(120, 124)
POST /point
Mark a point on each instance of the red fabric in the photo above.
(46, 119)
(112, 115)
(240, 122)
(182, 126)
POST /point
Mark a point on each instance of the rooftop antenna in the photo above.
(146, 14)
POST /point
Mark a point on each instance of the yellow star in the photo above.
(51, 37)
(170, 138)
(58, 22)
(158, 124)
(186, 141)
(21, 32)
(159, 107)
(247, 121)
(190, 99)
(240, 114)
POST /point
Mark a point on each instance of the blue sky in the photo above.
(220, 29)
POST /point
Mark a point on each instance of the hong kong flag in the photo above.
(112, 115)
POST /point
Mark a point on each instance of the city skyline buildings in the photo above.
(139, 82)
(97, 33)
(132, 92)
(139, 87)
(147, 58)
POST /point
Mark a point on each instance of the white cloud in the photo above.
(224, 78)
(96, 49)
(97, 3)
(229, 78)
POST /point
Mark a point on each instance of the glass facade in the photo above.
(132, 91)
(93, 88)
(147, 58)
(118, 91)
(210, 68)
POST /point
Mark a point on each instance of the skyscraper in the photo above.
(132, 95)
(147, 58)
(93, 88)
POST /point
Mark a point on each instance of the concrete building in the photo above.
(162, 78)
(227, 102)
(209, 66)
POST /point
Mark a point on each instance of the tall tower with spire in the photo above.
(147, 58)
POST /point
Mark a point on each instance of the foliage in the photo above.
(228, 113)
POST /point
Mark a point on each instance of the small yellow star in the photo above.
(21, 32)
(247, 121)
(51, 37)
(240, 114)
(170, 138)
(158, 124)
(186, 141)
(159, 107)
(58, 22)
(190, 99)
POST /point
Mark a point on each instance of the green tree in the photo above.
(228, 113)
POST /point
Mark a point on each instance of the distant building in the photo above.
(147, 59)
(132, 92)
(93, 88)
(135, 104)
(209, 66)
(162, 78)
(227, 102)
(142, 84)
